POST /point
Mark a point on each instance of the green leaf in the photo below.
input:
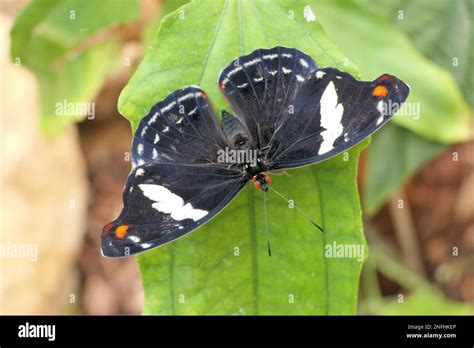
(66, 45)
(394, 155)
(442, 30)
(376, 46)
(166, 7)
(223, 268)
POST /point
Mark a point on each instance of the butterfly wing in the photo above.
(299, 114)
(177, 183)
(180, 129)
(332, 113)
(261, 87)
(162, 202)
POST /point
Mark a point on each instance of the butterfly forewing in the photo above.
(334, 112)
(180, 129)
(261, 86)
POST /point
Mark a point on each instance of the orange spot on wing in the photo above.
(380, 91)
(121, 231)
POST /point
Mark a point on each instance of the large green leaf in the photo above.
(376, 46)
(223, 267)
(66, 45)
(166, 7)
(394, 155)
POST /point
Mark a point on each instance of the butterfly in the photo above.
(288, 112)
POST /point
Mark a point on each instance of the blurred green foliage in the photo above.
(61, 42)
(419, 297)
(376, 46)
(442, 30)
(394, 155)
(223, 268)
(367, 33)
(420, 302)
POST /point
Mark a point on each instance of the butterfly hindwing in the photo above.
(164, 201)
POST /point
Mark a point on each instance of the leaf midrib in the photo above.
(251, 206)
(253, 250)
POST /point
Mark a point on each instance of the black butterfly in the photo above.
(288, 113)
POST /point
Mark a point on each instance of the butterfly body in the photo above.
(286, 112)
(235, 132)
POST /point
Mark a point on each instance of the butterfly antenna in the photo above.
(265, 198)
(298, 209)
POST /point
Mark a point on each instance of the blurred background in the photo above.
(62, 181)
